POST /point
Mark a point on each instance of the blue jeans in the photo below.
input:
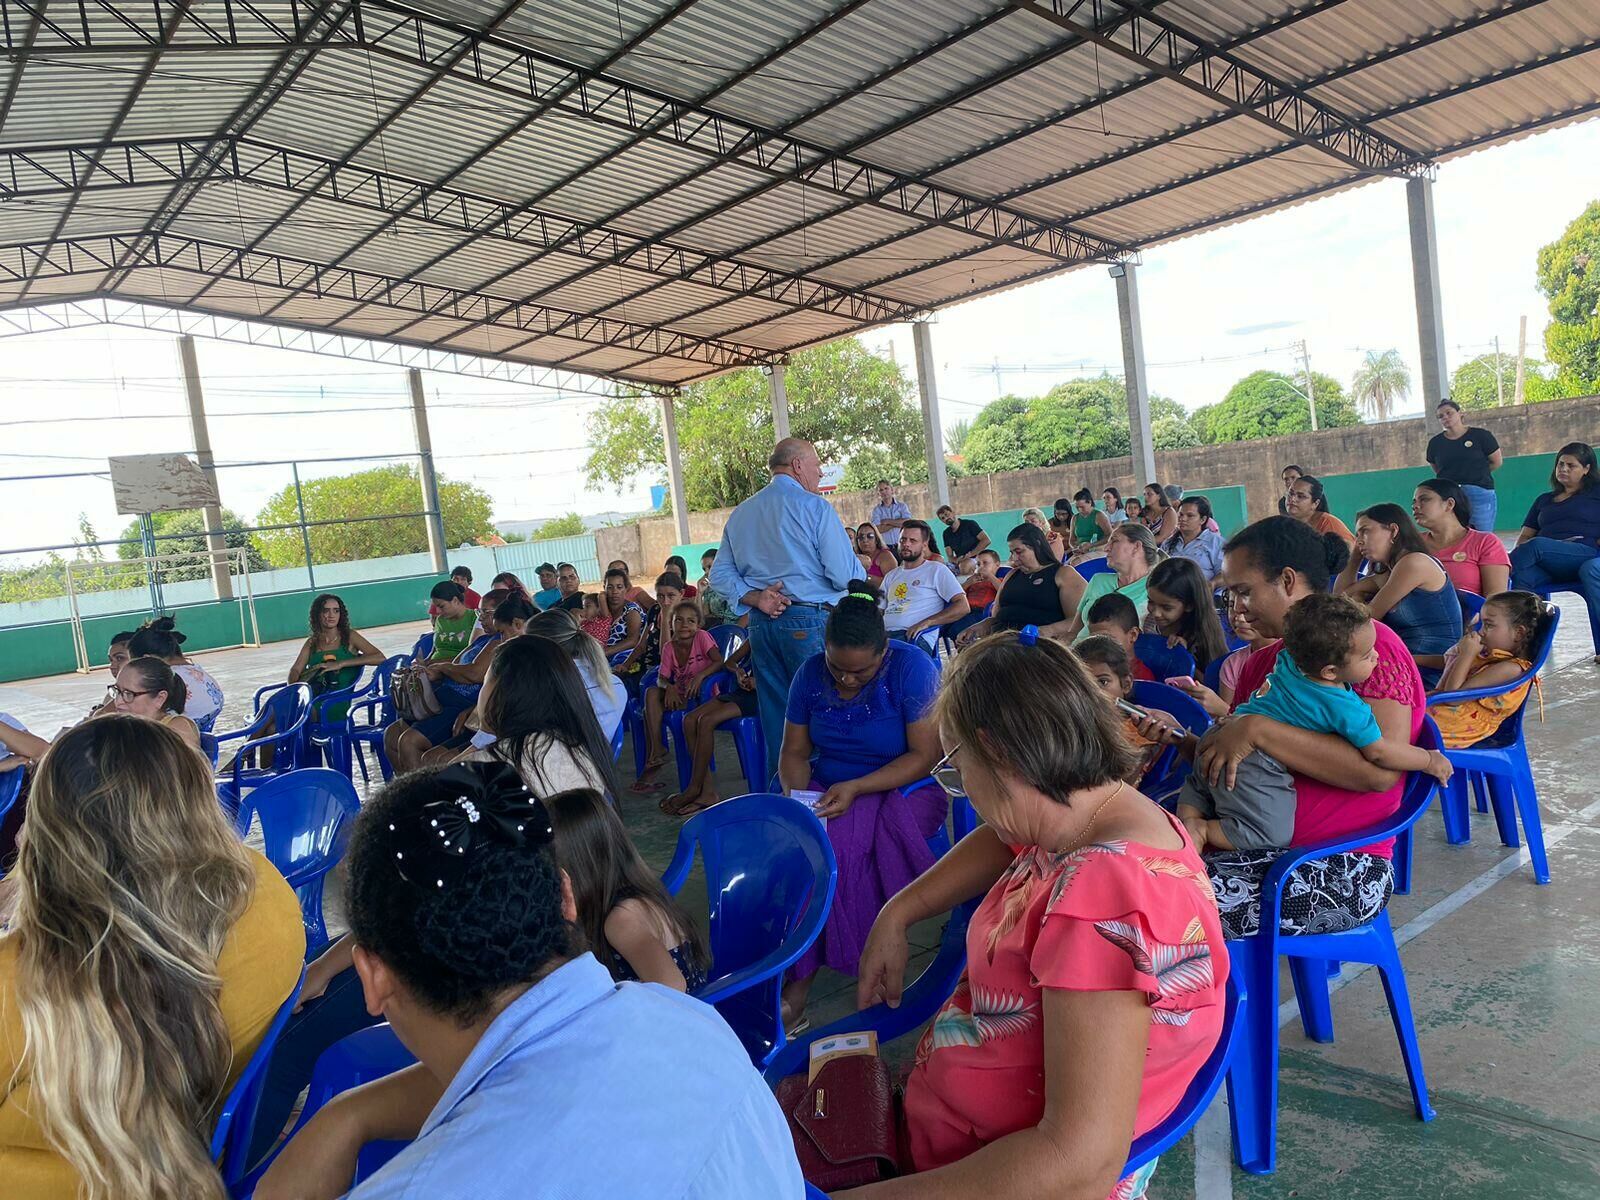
(927, 640)
(779, 646)
(1544, 565)
(1485, 505)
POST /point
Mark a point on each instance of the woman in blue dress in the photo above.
(859, 731)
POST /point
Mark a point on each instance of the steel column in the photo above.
(430, 481)
(1142, 446)
(932, 430)
(669, 433)
(216, 541)
(1430, 299)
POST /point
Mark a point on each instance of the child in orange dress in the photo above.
(1111, 667)
(1510, 626)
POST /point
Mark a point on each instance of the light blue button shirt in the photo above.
(586, 1088)
(1205, 551)
(895, 510)
(785, 533)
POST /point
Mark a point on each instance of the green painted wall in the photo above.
(1227, 504)
(47, 649)
(1519, 481)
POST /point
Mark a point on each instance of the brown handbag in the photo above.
(844, 1123)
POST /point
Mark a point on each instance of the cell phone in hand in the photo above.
(1133, 710)
(1182, 682)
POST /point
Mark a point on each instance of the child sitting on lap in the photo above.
(1111, 667)
(1328, 645)
(1511, 625)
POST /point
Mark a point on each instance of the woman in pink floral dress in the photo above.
(1095, 962)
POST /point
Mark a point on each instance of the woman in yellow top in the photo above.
(145, 953)
(1306, 502)
(1512, 625)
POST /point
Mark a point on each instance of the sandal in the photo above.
(672, 805)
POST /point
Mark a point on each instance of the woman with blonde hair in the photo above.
(145, 953)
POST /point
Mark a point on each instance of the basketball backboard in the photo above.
(152, 483)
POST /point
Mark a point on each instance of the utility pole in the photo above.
(1522, 357)
(1311, 391)
(1499, 378)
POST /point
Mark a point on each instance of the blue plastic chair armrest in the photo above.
(1482, 693)
(255, 702)
(677, 872)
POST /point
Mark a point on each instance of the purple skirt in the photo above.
(881, 844)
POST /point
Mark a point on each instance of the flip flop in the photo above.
(671, 805)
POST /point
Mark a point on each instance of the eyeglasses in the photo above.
(124, 694)
(948, 776)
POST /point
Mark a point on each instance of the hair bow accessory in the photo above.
(1028, 635)
(474, 805)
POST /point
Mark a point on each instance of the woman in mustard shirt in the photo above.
(145, 953)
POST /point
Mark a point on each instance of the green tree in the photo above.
(845, 399)
(1473, 384)
(1381, 384)
(1269, 403)
(570, 525)
(184, 532)
(994, 448)
(1569, 277)
(955, 435)
(372, 493)
(1172, 433)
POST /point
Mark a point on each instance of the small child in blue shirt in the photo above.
(1329, 644)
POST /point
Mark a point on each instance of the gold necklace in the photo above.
(1093, 817)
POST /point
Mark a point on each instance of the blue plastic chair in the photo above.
(1471, 606)
(305, 826)
(1545, 593)
(1089, 568)
(1499, 762)
(924, 998)
(633, 717)
(230, 1140)
(208, 747)
(328, 741)
(749, 742)
(376, 712)
(770, 876)
(1163, 778)
(1164, 661)
(1253, 1076)
(286, 710)
(10, 791)
(616, 741)
(422, 648)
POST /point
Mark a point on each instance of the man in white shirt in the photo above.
(921, 595)
(889, 514)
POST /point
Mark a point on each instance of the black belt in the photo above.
(808, 604)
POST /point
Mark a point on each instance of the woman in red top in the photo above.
(1095, 962)
(1474, 560)
(1271, 566)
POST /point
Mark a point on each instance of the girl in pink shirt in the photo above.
(686, 662)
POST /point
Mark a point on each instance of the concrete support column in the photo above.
(669, 434)
(780, 401)
(932, 429)
(1142, 445)
(430, 481)
(1430, 300)
(216, 542)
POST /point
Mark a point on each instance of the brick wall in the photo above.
(1522, 429)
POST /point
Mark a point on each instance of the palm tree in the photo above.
(955, 436)
(1381, 384)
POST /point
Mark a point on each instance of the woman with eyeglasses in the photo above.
(858, 730)
(1307, 502)
(144, 687)
(1095, 960)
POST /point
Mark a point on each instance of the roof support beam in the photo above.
(86, 256)
(1159, 45)
(131, 314)
(39, 172)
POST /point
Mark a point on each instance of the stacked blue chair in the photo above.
(1545, 593)
(305, 826)
(924, 998)
(1164, 661)
(370, 714)
(770, 876)
(230, 1140)
(1163, 779)
(1499, 762)
(10, 791)
(1253, 1076)
(285, 711)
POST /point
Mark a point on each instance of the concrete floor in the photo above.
(1503, 975)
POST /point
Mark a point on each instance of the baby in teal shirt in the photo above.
(1329, 645)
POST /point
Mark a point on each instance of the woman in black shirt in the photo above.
(1039, 591)
(1467, 456)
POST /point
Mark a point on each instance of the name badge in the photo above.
(1459, 556)
(1468, 443)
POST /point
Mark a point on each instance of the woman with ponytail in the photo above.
(859, 731)
(146, 951)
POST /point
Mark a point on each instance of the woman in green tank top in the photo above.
(332, 657)
(1090, 531)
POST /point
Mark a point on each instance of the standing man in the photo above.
(785, 559)
(963, 541)
(889, 515)
(921, 594)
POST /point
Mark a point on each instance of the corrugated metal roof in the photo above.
(721, 181)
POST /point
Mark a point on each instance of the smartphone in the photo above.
(1182, 682)
(1133, 710)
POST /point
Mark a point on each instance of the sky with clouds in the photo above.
(1335, 272)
